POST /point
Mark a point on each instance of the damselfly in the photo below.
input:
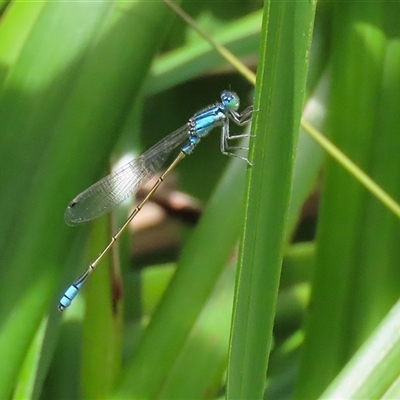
(110, 191)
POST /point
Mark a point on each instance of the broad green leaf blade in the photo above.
(355, 282)
(27, 379)
(309, 155)
(101, 338)
(200, 266)
(198, 373)
(375, 367)
(62, 101)
(14, 30)
(282, 75)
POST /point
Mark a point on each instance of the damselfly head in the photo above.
(230, 100)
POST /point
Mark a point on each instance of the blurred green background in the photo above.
(85, 83)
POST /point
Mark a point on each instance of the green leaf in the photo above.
(200, 265)
(280, 88)
(63, 97)
(374, 370)
(356, 275)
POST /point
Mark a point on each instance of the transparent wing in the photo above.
(105, 194)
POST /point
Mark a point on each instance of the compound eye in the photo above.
(230, 100)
